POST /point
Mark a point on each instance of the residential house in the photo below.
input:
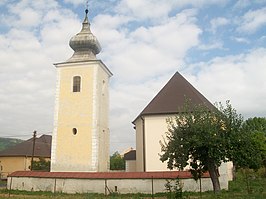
(18, 157)
(130, 159)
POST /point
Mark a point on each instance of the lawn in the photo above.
(248, 185)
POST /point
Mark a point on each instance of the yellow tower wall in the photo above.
(87, 111)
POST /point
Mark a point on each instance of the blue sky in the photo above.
(219, 46)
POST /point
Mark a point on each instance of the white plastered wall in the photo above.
(155, 128)
(130, 165)
(101, 124)
(123, 186)
(139, 145)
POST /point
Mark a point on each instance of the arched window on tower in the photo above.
(76, 83)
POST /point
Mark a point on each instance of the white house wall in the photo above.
(139, 145)
(155, 128)
(130, 165)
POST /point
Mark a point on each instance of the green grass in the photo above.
(2, 183)
(248, 185)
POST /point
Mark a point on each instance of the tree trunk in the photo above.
(213, 170)
(234, 171)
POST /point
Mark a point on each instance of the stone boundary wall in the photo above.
(153, 182)
(104, 186)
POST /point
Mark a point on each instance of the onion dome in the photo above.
(84, 44)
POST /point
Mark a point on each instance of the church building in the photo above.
(151, 124)
(80, 140)
(81, 130)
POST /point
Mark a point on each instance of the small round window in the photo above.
(74, 131)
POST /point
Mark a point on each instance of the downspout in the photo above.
(144, 148)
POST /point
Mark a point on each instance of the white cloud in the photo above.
(27, 74)
(157, 9)
(200, 3)
(28, 17)
(240, 4)
(142, 60)
(55, 33)
(218, 22)
(158, 47)
(211, 46)
(27, 14)
(24, 18)
(241, 40)
(111, 22)
(253, 20)
(262, 38)
(3, 2)
(239, 78)
(127, 100)
(76, 2)
(150, 9)
(144, 9)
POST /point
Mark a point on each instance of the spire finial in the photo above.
(87, 7)
(84, 44)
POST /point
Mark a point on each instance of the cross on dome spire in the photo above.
(87, 7)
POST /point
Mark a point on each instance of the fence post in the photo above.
(200, 188)
(105, 187)
(10, 186)
(54, 185)
(33, 149)
(152, 191)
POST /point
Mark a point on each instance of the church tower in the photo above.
(81, 133)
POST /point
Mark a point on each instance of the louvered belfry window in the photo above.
(76, 83)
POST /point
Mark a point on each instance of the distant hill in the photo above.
(8, 142)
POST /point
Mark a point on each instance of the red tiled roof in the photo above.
(105, 175)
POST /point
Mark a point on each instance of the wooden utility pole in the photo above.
(33, 148)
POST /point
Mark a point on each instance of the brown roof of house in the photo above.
(42, 148)
(105, 175)
(173, 96)
(131, 155)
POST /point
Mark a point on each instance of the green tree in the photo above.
(117, 162)
(256, 124)
(256, 148)
(248, 150)
(259, 139)
(41, 165)
(201, 138)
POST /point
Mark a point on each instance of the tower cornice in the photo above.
(84, 63)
